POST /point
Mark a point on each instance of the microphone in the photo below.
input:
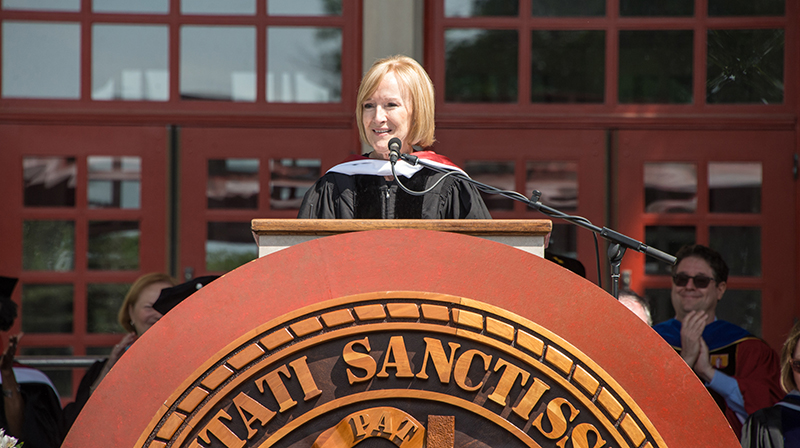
(394, 149)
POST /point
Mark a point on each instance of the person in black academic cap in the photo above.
(136, 315)
(31, 408)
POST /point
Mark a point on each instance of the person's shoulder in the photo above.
(670, 330)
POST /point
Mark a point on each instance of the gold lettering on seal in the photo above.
(374, 422)
(435, 352)
(463, 365)
(359, 360)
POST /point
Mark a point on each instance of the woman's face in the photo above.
(142, 313)
(387, 114)
(795, 373)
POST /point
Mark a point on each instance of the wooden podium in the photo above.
(400, 336)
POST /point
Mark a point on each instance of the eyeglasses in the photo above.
(796, 365)
(700, 281)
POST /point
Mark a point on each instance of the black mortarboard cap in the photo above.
(572, 264)
(7, 285)
(8, 308)
(170, 297)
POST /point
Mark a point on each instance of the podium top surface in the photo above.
(508, 227)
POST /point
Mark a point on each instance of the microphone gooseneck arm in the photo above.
(619, 241)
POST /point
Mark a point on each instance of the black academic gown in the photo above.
(343, 196)
(42, 415)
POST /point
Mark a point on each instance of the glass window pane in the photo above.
(49, 181)
(289, 181)
(718, 8)
(745, 66)
(114, 182)
(481, 65)
(229, 245)
(233, 183)
(671, 8)
(740, 247)
(734, 187)
(113, 245)
(228, 7)
(557, 181)
(660, 305)
(304, 65)
(43, 5)
(218, 63)
(47, 308)
(48, 246)
(129, 62)
(655, 66)
(667, 239)
(742, 308)
(304, 7)
(573, 8)
(61, 378)
(102, 305)
(567, 66)
(670, 187)
(127, 6)
(498, 174)
(41, 60)
(480, 8)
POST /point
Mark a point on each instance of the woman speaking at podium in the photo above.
(395, 101)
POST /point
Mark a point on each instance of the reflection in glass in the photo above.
(229, 245)
(114, 182)
(47, 308)
(481, 65)
(498, 174)
(129, 62)
(650, 8)
(567, 66)
(289, 181)
(304, 7)
(43, 5)
(740, 247)
(745, 66)
(667, 239)
(233, 183)
(573, 8)
(717, 8)
(113, 245)
(557, 181)
(655, 66)
(48, 246)
(49, 181)
(660, 304)
(103, 301)
(480, 8)
(743, 308)
(41, 60)
(670, 187)
(304, 65)
(228, 7)
(734, 187)
(127, 6)
(62, 379)
(218, 63)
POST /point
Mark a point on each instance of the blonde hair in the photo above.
(132, 296)
(416, 82)
(787, 379)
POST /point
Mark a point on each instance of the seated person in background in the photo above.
(136, 315)
(779, 426)
(395, 100)
(637, 304)
(740, 370)
(31, 407)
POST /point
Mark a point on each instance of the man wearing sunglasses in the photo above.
(741, 371)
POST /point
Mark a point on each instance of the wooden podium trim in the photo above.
(475, 227)
(530, 235)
